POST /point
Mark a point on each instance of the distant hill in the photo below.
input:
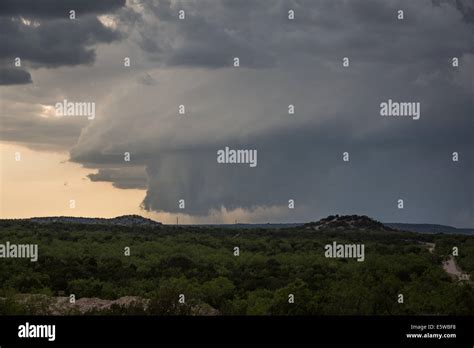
(125, 220)
(337, 222)
(347, 222)
(429, 228)
(362, 222)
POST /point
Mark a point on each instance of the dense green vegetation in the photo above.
(89, 261)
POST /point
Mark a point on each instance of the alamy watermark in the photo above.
(68, 108)
(25, 251)
(344, 251)
(393, 108)
(228, 155)
(28, 330)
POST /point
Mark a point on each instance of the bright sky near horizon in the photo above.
(42, 184)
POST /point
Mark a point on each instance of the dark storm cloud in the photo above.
(42, 35)
(467, 9)
(14, 76)
(337, 109)
(54, 43)
(259, 33)
(406, 161)
(56, 8)
(282, 62)
(210, 41)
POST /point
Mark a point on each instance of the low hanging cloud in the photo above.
(123, 178)
(12, 76)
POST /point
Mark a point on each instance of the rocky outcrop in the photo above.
(347, 222)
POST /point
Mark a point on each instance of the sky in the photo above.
(47, 159)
